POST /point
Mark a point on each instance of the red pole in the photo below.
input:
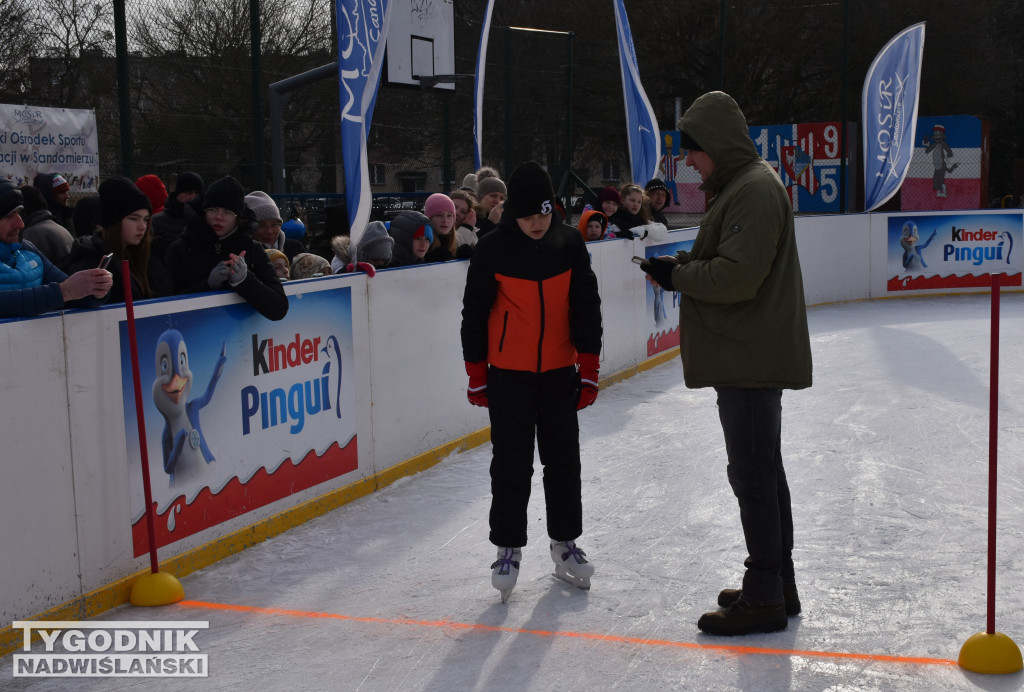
(126, 279)
(993, 427)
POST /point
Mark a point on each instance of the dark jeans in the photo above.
(752, 423)
(524, 406)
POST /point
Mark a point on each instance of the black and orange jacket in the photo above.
(530, 305)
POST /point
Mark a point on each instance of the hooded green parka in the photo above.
(742, 318)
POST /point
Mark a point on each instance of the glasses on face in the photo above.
(221, 212)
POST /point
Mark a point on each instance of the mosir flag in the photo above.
(362, 34)
(478, 88)
(890, 114)
(641, 125)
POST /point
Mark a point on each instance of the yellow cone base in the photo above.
(992, 654)
(162, 588)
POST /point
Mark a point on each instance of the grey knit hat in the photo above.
(486, 186)
(375, 243)
(263, 206)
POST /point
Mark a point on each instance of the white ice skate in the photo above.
(571, 565)
(505, 571)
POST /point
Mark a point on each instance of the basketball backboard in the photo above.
(421, 41)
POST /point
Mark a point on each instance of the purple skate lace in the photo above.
(575, 552)
(506, 562)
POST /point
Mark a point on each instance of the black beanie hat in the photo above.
(689, 143)
(529, 191)
(10, 198)
(226, 193)
(119, 197)
(655, 184)
(188, 182)
(86, 215)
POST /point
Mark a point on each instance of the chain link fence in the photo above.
(196, 94)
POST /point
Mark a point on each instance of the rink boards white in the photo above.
(65, 534)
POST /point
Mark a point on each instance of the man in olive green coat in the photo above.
(743, 331)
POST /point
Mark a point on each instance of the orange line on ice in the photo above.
(739, 650)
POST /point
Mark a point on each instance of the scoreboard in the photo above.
(807, 157)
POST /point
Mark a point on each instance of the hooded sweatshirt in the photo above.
(742, 318)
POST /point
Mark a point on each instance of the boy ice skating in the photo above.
(531, 316)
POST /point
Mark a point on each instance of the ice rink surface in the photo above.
(887, 459)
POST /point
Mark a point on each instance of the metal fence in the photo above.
(187, 89)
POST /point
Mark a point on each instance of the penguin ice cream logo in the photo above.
(911, 250)
(1006, 240)
(182, 441)
(333, 352)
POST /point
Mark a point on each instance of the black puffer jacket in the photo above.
(169, 224)
(192, 257)
(530, 305)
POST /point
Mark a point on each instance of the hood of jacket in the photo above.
(716, 122)
(44, 183)
(585, 219)
(37, 216)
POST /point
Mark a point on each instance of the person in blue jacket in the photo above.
(29, 283)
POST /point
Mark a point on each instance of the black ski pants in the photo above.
(524, 406)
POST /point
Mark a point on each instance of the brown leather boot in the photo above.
(730, 596)
(743, 618)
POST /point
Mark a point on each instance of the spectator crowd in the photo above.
(197, 237)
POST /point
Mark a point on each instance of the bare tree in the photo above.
(195, 80)
(67, 33)
(16, 46)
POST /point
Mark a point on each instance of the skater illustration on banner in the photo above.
(937, 146)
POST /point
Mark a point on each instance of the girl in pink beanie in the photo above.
(440, 209)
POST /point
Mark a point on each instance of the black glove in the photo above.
(623, 233)
(661, 271)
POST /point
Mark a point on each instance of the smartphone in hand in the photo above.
(106, 260)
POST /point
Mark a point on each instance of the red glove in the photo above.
(362, 267)
(477, 391)
(588, 364)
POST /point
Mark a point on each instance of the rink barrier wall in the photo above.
(64, 505)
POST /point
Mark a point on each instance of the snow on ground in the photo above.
(887, 457)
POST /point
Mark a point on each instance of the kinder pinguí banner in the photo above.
(944, 251)
(240, 411)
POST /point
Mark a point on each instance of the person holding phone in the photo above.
(29, 283)
(125, 213)
(743, 331)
